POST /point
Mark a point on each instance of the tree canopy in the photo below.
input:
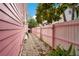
(32, 23)
(46, 11)
(51, 12)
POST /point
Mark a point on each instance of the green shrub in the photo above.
(62, 52)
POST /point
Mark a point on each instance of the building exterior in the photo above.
(68, 13)
(12, 28)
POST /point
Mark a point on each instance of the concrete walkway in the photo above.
(34, 47)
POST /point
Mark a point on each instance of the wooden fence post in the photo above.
(53, 36)
(41, 33)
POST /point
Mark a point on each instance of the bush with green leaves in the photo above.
(32, 23)
(62, 52)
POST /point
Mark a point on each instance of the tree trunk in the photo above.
(72, 13)
(64, 17)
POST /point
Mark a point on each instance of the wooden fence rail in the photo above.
(62, 34)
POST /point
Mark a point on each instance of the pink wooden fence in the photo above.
(12, 28)
(36, 31)
(46, 34)
(62, 34)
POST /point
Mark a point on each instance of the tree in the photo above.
(38, 14)
(61, 10)
(46, 11)
(32, 23)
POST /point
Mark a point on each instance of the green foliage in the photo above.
(32, 23)
(46, 11)
(51, 11)
(62, 52)
(56, 17)
(61, 10)
(74, 52)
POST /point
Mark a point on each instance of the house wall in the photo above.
(68, 14)
(12, 28)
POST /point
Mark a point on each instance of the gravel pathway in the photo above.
(34, 47)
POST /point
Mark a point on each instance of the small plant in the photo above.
(62, 52)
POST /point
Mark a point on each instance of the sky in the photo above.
(31, 7)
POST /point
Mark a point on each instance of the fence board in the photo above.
(62, 34)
